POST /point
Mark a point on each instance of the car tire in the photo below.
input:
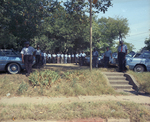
(13, 68)
(139, 68)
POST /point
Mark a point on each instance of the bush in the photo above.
(43, 78)
(22, 88)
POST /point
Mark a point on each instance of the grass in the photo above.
(143, 79)
(106, 109)
(56, 83)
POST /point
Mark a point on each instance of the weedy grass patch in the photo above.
(103, 109)
(143, 79)
(43, 78)
(56, 83)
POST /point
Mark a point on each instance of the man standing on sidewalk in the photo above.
(107, 55)
(122, 52)
(27, 57)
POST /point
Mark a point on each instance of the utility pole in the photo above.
(90, 35)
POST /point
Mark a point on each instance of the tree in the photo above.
(65, 32)
(147, 43)
(108, 30)
(22, 19)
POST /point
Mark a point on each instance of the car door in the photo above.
(3, 60)
(148, 62)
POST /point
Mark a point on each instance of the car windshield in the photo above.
(145, 55)
(8, 53)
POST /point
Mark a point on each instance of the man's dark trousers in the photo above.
(94, 61)
(37, 60)
(121, 61)
(83, 59)
(28, 59)
(80, 61)
(106, 61)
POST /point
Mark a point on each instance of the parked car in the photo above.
(114, 60)
(11, 61)
(139, 63)
(99, 61)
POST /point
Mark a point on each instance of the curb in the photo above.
(132, 81)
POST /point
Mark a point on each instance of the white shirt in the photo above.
(80, 54)
(62, 55)
(38, 52)
(69, 56)
(45, 55)
(58, 55)
(124, 48)
(28, 50)
(54, 55)
(49, 55)
(72, 55)
(83, 54)
(77, 55)
(65, 55)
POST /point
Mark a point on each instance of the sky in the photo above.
(138, 14)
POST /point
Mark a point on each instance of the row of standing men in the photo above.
(59, 58)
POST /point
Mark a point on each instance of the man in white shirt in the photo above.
(27, 57)
(45, 58)
(58, 58)
(62, 58)
(80, 59)
(54, 57)
(77, 57)
(69, 58)
(49, 58)
(38, 56)
(65, 58)
(72, 58)
(83, 58)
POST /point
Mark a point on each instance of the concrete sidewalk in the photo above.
(49, 100)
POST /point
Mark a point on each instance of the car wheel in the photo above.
(139, 68)
(13, 68)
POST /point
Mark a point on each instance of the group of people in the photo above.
(59, 57)
(41, 57)
(122, 52)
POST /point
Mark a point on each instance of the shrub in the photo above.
(43, 78)
(22, 88)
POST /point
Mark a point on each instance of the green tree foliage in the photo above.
(147, 43)
(58, 26)
(64, 32)
(21, 19)
(107, 30)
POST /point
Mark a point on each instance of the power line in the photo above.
(139, 34)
